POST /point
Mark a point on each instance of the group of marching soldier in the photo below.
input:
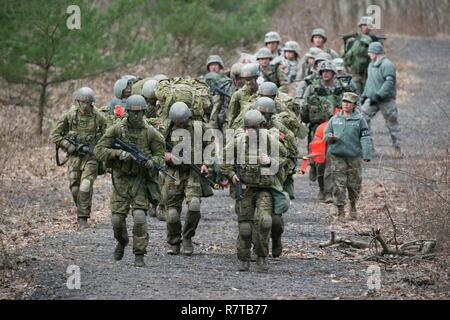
(264, 105)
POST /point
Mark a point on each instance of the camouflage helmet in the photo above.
(327, 66)
(366, 20)
(148, 89)
(84, 94)
(179, 112)
(350, 97)
(119, 86)
(313, 52)
(339, 64)
(130, 77)
(292, 46)
(160, 77)
(265, 105)
(235, 71)
(272, 37)
(323, 56)
(319, 32)
(136, 103)
(264, 53)
(253, 119)
(214, 59)
(268, 89)
(250, 70)
(376, 47)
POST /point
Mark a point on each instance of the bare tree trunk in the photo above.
(42, 101)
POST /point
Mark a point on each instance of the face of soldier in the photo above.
(372, 56)
(252, 84)
(127, 91)
(264, 63)
(318, 41)
(348, 107)
(214, 67)
(289, 55)
(135, 118)
(365, 29)
(85, 106)
(327, 75)
(272, 46)
(239, 82)
(311, 61)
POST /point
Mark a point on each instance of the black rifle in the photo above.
(197, 170)
(80, 149)
(139, 156)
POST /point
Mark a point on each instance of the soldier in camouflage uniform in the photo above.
(348, 138)
(272, 42)
(308, 63)
(188, 186)
(342, 75)
(242, 99)
(122, 90)
(83, 124)
(380, 94)
(270, 72)
(133, 184)
(256, 206)
(288, 62)
(322, 98)
(223, 89)
(319, 39)
(215, 64)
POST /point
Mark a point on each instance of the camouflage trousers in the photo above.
(360, 82)
(82, 175)
(130, 193)
(255, 212)
(347, 175)
(173, 193)
(390, 113)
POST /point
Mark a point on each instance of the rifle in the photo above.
(139, 156)
(80, 148)
(197, 170)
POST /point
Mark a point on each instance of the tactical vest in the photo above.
(85, 129)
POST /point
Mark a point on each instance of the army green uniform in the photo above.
(275, 74)
(133, 185)
(221, 97)
(255, 210)
(83, 169)
(188, 187)
(353, 143)
(319, 105)
(382, 82)
(241, 101)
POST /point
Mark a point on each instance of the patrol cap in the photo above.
(350, 97)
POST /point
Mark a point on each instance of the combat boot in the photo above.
(83, 223)
(244, 266)
(152, 211)
(328, 198)
(261, 264)
(277, 247)
(188, 247)
(341, 213)
(139, 260)
(353, 212)
(398, 153)
(174, 250)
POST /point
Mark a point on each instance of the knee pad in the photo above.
(173, 216)
(266, 222)
(194, 204)
(139, 217)
(117, 219)
(74, 191)
(85, 185)
(245, 230)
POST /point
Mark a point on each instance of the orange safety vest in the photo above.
(337, 110)
(318, 145)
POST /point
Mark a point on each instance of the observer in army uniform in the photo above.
(133, 184)
(348, 138)
(77, 132)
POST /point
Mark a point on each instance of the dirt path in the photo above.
(303, 272)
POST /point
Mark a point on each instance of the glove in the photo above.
(375, 100)
(149, 164)
(124, 156)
